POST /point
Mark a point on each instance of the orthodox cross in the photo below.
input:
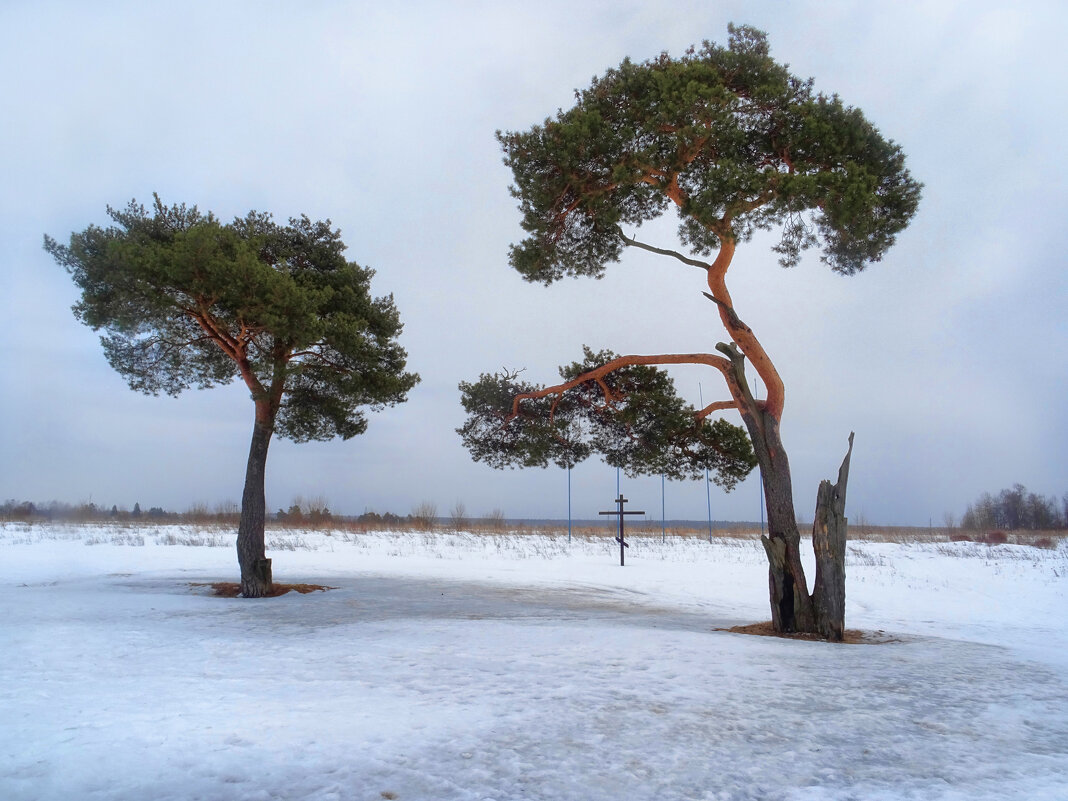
(619, 512)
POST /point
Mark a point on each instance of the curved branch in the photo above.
(319, 355)
(609, 396)
(235, 349)
(736, 321)
(718, 406)
(217, 334)
(739, 331)
(742, 334)
(154, 350)
(744, 207)
(719, 362)
(662, 252)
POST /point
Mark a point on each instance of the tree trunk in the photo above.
(256, 581)
(793, 609)
(791, 605)
(829, 526)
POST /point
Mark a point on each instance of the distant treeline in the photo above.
(1016, 509)
(87, 511)
(313, 512)
(1013, 509)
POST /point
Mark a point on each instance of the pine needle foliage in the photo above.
(727, 137)
(187, 301)
(632, 417)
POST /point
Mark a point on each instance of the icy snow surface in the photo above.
(458, 666)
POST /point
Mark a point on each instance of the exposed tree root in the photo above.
(851, 636)
(232, 589)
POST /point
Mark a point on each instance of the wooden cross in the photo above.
(619, 511)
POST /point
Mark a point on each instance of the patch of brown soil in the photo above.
(232, 589)
(852, 636)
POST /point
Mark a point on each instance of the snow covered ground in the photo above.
(520, 667)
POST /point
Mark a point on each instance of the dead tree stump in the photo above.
(829, 529)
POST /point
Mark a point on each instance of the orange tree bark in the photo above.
(791, 603)
(734, 143)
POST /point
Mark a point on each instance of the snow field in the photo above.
(462, 666)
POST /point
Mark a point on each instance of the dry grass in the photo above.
(232, 589)
(286, 535)
(852, 636)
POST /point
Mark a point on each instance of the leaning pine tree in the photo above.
(735, 144)
(187, 301)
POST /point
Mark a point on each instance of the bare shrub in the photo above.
(197, 513)
(227, 511)
(494, 520)
(861, 526)
(458, 516)
(425, 515)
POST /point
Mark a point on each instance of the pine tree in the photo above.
(186, 301)
(734, 144)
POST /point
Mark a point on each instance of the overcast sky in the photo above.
(947, 358)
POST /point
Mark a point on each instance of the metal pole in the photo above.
(708, 489)
(756, 396)
(569, 503)
(708, 500)
(663, 512)
(619, 494)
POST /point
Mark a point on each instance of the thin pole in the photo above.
(663, 512)
(708, 489)
(756, 396)
(619, 494)
(569, 503)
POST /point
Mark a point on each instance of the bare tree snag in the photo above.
(829, 528)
